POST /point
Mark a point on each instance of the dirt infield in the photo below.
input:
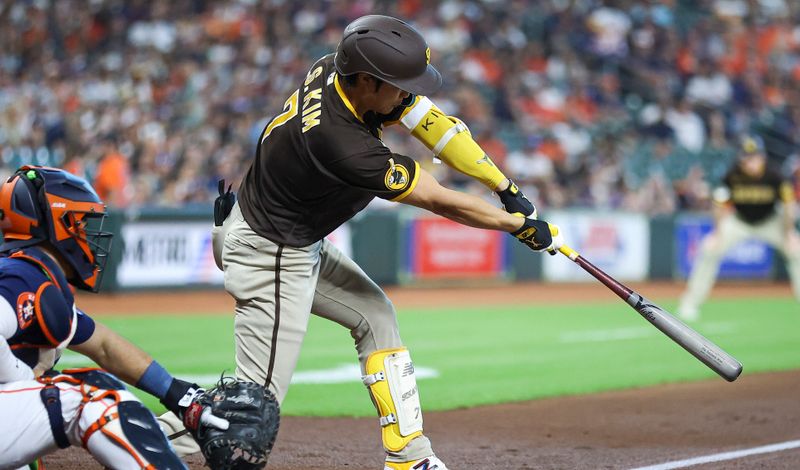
(614, 430)
(504, 294)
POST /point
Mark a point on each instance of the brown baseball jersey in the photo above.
(318, 163)
(755, 197)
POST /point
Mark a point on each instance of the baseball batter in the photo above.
(754, 202)
(321, 161)
(51, 222)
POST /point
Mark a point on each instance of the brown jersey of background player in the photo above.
(755, 189)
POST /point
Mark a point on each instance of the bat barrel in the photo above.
(693, 342)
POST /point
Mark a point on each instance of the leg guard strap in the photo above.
(51, 398)
(97, 425)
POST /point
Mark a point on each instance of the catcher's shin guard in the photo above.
(133, 437)
(393, 386)
(141, 430)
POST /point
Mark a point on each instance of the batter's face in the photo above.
(386, 98)
(367, 96)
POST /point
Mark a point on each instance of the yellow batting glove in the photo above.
(539, 235)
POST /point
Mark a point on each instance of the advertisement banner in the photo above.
(179, 253)
(440, 248)
(751, 259)
(617, 243)
(167, 254)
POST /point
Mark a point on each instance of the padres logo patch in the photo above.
(25, 309)
(396, 177)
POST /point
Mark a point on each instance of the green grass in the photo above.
(504, 354)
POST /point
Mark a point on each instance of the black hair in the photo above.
(350, 81)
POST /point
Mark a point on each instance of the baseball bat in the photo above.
(696, 344)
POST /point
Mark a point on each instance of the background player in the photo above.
(320, 162)
(53, 238)
(754, 201)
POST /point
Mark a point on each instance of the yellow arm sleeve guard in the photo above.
(451, 141)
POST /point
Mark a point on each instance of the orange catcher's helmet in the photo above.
(49, 206)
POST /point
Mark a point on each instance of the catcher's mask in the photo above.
(40, 205)
(389, 49)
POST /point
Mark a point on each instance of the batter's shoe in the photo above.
(428, 463)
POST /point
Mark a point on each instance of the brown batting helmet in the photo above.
(388, 49)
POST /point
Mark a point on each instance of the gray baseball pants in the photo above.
(276, 288)
(731, 231)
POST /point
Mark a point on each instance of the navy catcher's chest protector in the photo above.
(38, 292)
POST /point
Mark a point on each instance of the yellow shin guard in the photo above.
(393, 386)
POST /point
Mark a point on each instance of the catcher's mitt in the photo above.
(253, 414)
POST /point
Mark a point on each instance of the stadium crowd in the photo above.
(629, 104)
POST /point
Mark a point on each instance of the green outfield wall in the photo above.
(171, 249)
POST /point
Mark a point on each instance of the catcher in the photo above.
(89, 408)
(53, 239)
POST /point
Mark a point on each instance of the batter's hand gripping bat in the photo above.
(696, 344)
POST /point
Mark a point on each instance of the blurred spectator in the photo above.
(610, 27)
(528, 164)
(559, 92)
(113, 175)
(686, 125)
(710, 87)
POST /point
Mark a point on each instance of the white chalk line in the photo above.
(736, 454)
(343, 373)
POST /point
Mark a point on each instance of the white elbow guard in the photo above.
(424, 108)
